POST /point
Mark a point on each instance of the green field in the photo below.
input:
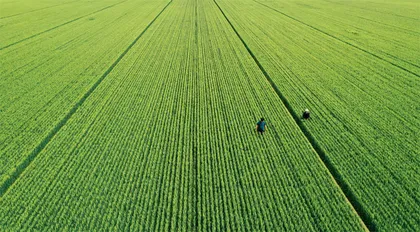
(139, 115)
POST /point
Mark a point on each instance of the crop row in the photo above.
(15, 29)
(166, 142)
(45, 77)
(11, 9)
(390, 37)
(362, 108)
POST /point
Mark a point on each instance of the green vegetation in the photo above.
(365, 106)
(44, 77)
(139, 115)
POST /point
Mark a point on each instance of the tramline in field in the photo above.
(141, 115)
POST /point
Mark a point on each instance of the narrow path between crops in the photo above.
(60, 25)
(345, 42)
(348, 193)
(21, 167)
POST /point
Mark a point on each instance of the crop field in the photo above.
(139, 115)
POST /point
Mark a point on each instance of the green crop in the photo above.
(140, 115)
(362, 89)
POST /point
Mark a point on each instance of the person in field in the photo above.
(261, 126)
(306, 114)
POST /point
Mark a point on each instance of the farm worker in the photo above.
(261, 126)
(306, 114)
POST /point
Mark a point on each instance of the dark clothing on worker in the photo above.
(306, 115)
(261, 126)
